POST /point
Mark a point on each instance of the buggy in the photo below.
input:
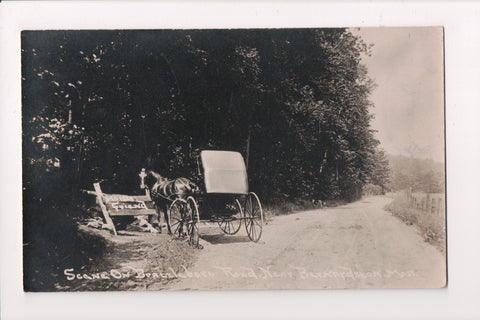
(224, 199)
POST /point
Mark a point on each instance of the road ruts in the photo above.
(359, 245)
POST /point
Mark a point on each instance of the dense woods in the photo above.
(100, 105)
(103, 104)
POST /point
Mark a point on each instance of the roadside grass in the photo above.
(142, 259)
(283, 207)
(431, 225)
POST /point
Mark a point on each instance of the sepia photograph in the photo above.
(233, 159)
(239, 160)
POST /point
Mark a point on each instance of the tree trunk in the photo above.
(324, 161)
(247, 152)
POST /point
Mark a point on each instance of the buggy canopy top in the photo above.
(224, 172)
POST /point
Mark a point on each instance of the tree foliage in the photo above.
(418, 175)
(103, 104)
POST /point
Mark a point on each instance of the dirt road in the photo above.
(354, 246)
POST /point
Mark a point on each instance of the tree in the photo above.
(420, 175)
(100, 105)
(380, 174)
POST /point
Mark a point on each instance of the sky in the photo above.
(406, 63)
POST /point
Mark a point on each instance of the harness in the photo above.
(168, 189)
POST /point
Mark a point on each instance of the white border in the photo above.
(462, 38)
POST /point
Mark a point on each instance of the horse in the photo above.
(163, 191)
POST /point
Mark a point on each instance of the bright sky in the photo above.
(407, 66)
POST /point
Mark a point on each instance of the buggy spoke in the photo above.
(177, 229)
(249, 225)
(254, 216)
(177, 221)
(230, 222)
(191, 216)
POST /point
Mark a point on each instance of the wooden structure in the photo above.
(123, 205)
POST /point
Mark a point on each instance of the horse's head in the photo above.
(150, 179)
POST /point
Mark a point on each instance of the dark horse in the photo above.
(163, 191)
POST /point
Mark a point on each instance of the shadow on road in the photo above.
(224, 239)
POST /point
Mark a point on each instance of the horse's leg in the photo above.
(162, 215)
(166, 219)
(154, 220)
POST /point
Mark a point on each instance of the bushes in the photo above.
(52, 242)
(432, 226)
(285, 207)
(373, 190)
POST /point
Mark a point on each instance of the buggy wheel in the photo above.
(231, 224)
(176, 219)
(193, 220)
(253, 217)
